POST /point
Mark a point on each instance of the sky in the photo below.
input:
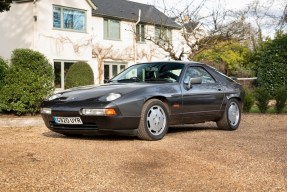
(274, 7)
(228, 4)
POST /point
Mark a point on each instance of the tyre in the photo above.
(154, 120)
(230, 120)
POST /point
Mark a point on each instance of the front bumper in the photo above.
(93, 124)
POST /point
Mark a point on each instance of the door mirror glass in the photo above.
(194, 80)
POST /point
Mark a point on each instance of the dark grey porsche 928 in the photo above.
(145, 99)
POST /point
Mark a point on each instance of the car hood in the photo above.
(96, 92)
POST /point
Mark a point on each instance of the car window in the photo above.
(198, 72)
(152, 72)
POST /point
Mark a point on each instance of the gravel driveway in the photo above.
(189, 158)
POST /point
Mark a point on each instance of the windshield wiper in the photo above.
(159, 80)
(131, 80)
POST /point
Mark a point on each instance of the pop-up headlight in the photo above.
(113, 96)
(54, 97)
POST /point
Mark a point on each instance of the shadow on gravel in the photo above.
(106, 137)
(115, 137)
(190, 128)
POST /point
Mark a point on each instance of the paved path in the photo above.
(21, 121)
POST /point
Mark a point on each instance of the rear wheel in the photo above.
(154, 120)
(230, 120)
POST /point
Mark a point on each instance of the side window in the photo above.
(198, 72)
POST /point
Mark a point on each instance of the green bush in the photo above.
(79, 74)
(271, 63)
(280, 97)
(29, 80)
(248, 100)
(3, 71)
(262, 98)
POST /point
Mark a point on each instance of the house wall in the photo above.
(62, 44)
(19, 30)
(16, 29)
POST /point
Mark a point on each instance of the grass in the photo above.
(271, 110)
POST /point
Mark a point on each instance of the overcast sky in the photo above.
(273, 6)
(228, 4)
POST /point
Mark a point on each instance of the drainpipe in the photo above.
(34, 24)
(135, 36)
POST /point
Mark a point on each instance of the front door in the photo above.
(201, 102)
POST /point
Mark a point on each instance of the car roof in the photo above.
(195, 63)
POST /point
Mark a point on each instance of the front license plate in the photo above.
(68, 120)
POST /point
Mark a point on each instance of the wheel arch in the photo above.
(238, 99)
(162, 99)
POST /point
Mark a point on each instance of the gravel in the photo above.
(190, 158)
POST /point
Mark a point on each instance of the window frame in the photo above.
(107, 34)
(62, 72)
(140, 33)
(111, 64)
(204, 69)
(166, 36)
(84, 30)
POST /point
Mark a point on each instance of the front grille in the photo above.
(74, 127)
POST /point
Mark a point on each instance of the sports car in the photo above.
(145, 100)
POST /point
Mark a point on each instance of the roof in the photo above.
(128, 10)
(190, 26)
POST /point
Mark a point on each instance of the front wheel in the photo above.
(230, 120)
(154, 120)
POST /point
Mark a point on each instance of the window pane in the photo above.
(114, 30)
(157, 33)
(140, 33)
(106, 72)
(68, 19)
(79, 20)
(115, 70)
(122, 67)
(74, 19)
(56, 17)
(57, 72)
(106, 31)
(67, 66)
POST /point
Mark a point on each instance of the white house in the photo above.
(110, 35)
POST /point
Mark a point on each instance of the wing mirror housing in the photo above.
(193, 81)
(107, 81)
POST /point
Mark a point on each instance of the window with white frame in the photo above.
(140, 33)
(163, 34)
(69, 18)
(112, 29)
(60, 70)
(112, 69)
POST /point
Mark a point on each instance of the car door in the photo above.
(201, 102)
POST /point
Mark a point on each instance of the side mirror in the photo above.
(194, 80)
(107, 81)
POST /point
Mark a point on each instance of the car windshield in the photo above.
(164, 72)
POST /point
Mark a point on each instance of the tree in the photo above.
(227, 56)
(5, 5)
(3, 71)
(201, 29)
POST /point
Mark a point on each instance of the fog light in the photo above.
(99, 112)
(46, 111)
